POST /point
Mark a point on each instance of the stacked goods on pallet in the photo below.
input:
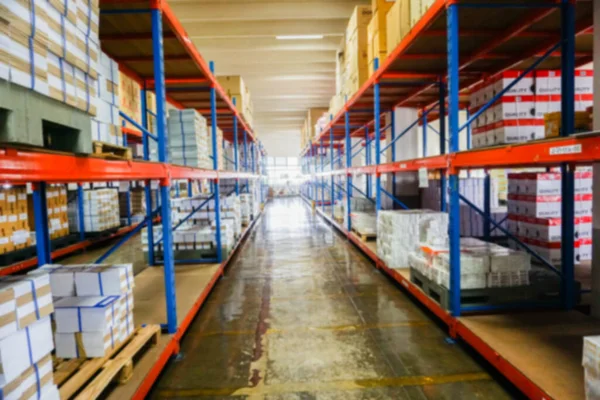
(365, 223)
(26, 338)
(534, 213)
(529, 110)
(591, 366)
(58, 219)
(377, 32)
(188, 139)
(93, 308)
(236, 89)
(14, 221)
(52, 49)
(106, 125)
(100, 211)
(471, 222)
(357, 204)
(246, 208)
(399, 233)
(402, 17)
(356, 50)
(482, 264)
(130, 101)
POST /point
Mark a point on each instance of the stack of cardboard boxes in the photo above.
(56, 204)
(93, 307)
(14, 224)
(130, 100)
(316, 119)
(402, 17)
(237, 90)
(377, 32)
(188, 139)
(26, 338)
(100, 210)
(356, 55)
(534, 213)
(106, 125)
(529, 110)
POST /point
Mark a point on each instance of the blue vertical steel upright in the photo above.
(442, 110)
(217, 200)
(42, 235)
(348, 174)
(453, 109)
(424, 122)
(165, 186)
(127, 203)
(331, 168)
(252, 157)
(468, 115)
(568, 127)
(147, 185)
(368, 161)
(246, 159)
(322, 157)
(377, 128)
(314, 155)
(487, 206)
(236, 151)
(393, 149)
(80, 212)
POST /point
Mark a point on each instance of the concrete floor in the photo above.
(301, 314)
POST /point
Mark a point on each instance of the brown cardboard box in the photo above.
(398, 23)
(378, 4)
(312, 117)
(361, 16)
(417, 9)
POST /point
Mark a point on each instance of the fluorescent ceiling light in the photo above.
(299, 37)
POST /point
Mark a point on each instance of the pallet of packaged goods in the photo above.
(236, 89)
(111, 151)
(106, 125)
(188, 139)
(50, 64)
(534, 213)
(56, 204)
(100, 212)
(530, 110)
(26, 337)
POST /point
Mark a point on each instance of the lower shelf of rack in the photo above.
(545, 346)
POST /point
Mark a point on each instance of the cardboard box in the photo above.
(85, 314)
(359, 20)
(104, 280)
(381, 4)
(553, 123)
(398, 22)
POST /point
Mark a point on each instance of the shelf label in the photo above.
(423, 178)
(560, 150)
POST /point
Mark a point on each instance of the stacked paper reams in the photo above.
(93, 308)
(398, 234)
(188, 139)
(357, 204)
(364, 223)
(106, 124)
(26, 338)
(100, 210)
(534, 213)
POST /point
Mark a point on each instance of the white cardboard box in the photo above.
(85, 314)
(104, 280)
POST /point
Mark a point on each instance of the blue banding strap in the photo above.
(35, 301)
(79, 319)
(100, 284)
(29, 351)
(37, 381)
(64, 36)
(112, 328)
(127, 277)
(106, 301)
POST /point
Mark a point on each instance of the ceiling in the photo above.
(285, 77)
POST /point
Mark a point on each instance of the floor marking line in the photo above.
(313, 387)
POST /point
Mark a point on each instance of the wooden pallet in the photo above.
(365, 237)
(88, 378)
(111, 151)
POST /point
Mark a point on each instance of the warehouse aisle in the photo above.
(301, 314)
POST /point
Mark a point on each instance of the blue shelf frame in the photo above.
(448, 94)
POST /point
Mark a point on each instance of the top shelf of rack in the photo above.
(126, 35)
(514, 34)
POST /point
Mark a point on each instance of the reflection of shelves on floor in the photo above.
(545, 346)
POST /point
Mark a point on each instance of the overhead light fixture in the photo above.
(299, 37)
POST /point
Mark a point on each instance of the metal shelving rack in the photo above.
(151, 47)
(431, 70)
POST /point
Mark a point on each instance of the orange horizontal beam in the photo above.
(135, 36)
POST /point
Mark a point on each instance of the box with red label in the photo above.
(549, 251)
(516, 131)
(547, 82)
(544, 229)
(545, 104)
(583, 182)
(536, 206)
(479, 137)
(583, 205)
(512, 224)
(522, 88)
(583, 227)
(515, 182)
(512, 107)
(583, 102)
(584, 81)
(583, 250)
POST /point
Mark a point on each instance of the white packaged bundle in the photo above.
(23, 348)
(508, 279)
(33, 297)
(506, 260)
(104, 280)
(364, 222)
(85, 314)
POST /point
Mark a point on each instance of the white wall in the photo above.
(281, 144)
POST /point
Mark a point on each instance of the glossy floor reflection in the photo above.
(301, 314)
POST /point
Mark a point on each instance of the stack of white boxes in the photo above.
(398, 234)
(220, 164)
(518, 116)
(246, 208)
(591, 366)
(26, 338)
(231, 210)
(365, 223)
(357, 204)
(534, 213)
(106, 124)
(93, 308)
(100, 210)
(52, 47)
(188, 139)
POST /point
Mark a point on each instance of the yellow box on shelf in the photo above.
(553, 123)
